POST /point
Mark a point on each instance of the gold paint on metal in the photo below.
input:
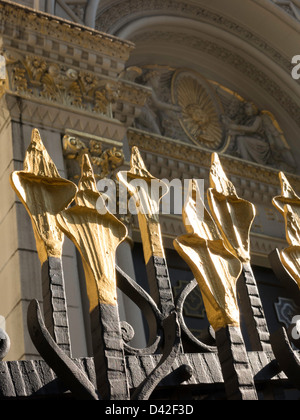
(145, 193)
(44, 193)
(214, 267)
(288, 204)
(96, 234)
(288, 195)
(233, 215)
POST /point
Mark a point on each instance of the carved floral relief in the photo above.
(35, 76)
(104, 159)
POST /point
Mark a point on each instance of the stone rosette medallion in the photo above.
(201, 109)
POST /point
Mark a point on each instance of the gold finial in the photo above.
(287, 196)
(146, 192)
(203, 226)
(37, 160)
(290, 258)
(214, 267)
(88, 194)
(44, 193)
(96, 236)
(288, 204)
(87, 181)
(138, 167)
(218, 179)
(233, 215)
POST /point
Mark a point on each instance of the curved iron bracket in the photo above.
(179, 309)
(149, 308)
(65, 369)
(171, 334)
(287, 359)
(170, 352)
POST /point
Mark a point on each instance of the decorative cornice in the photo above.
(56, 117)
(45, 31)
(194, 156)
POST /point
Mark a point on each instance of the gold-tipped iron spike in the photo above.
(140, 185)
(288, 195)
(96, 236)
(233, 215)
(146, 192)
(215, 268)
(44, 193)
(288, 204)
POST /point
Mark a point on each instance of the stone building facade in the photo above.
(178, 79)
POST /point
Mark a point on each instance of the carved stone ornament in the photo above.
(186, 106)
(105, 158)
(35, 76)
(194, 155)
(112, 16)
(292, 7)
(200, 109)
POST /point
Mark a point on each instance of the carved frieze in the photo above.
(36, 77)
(186, 106)
(232, 59)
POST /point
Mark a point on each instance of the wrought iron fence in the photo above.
(216, 247)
